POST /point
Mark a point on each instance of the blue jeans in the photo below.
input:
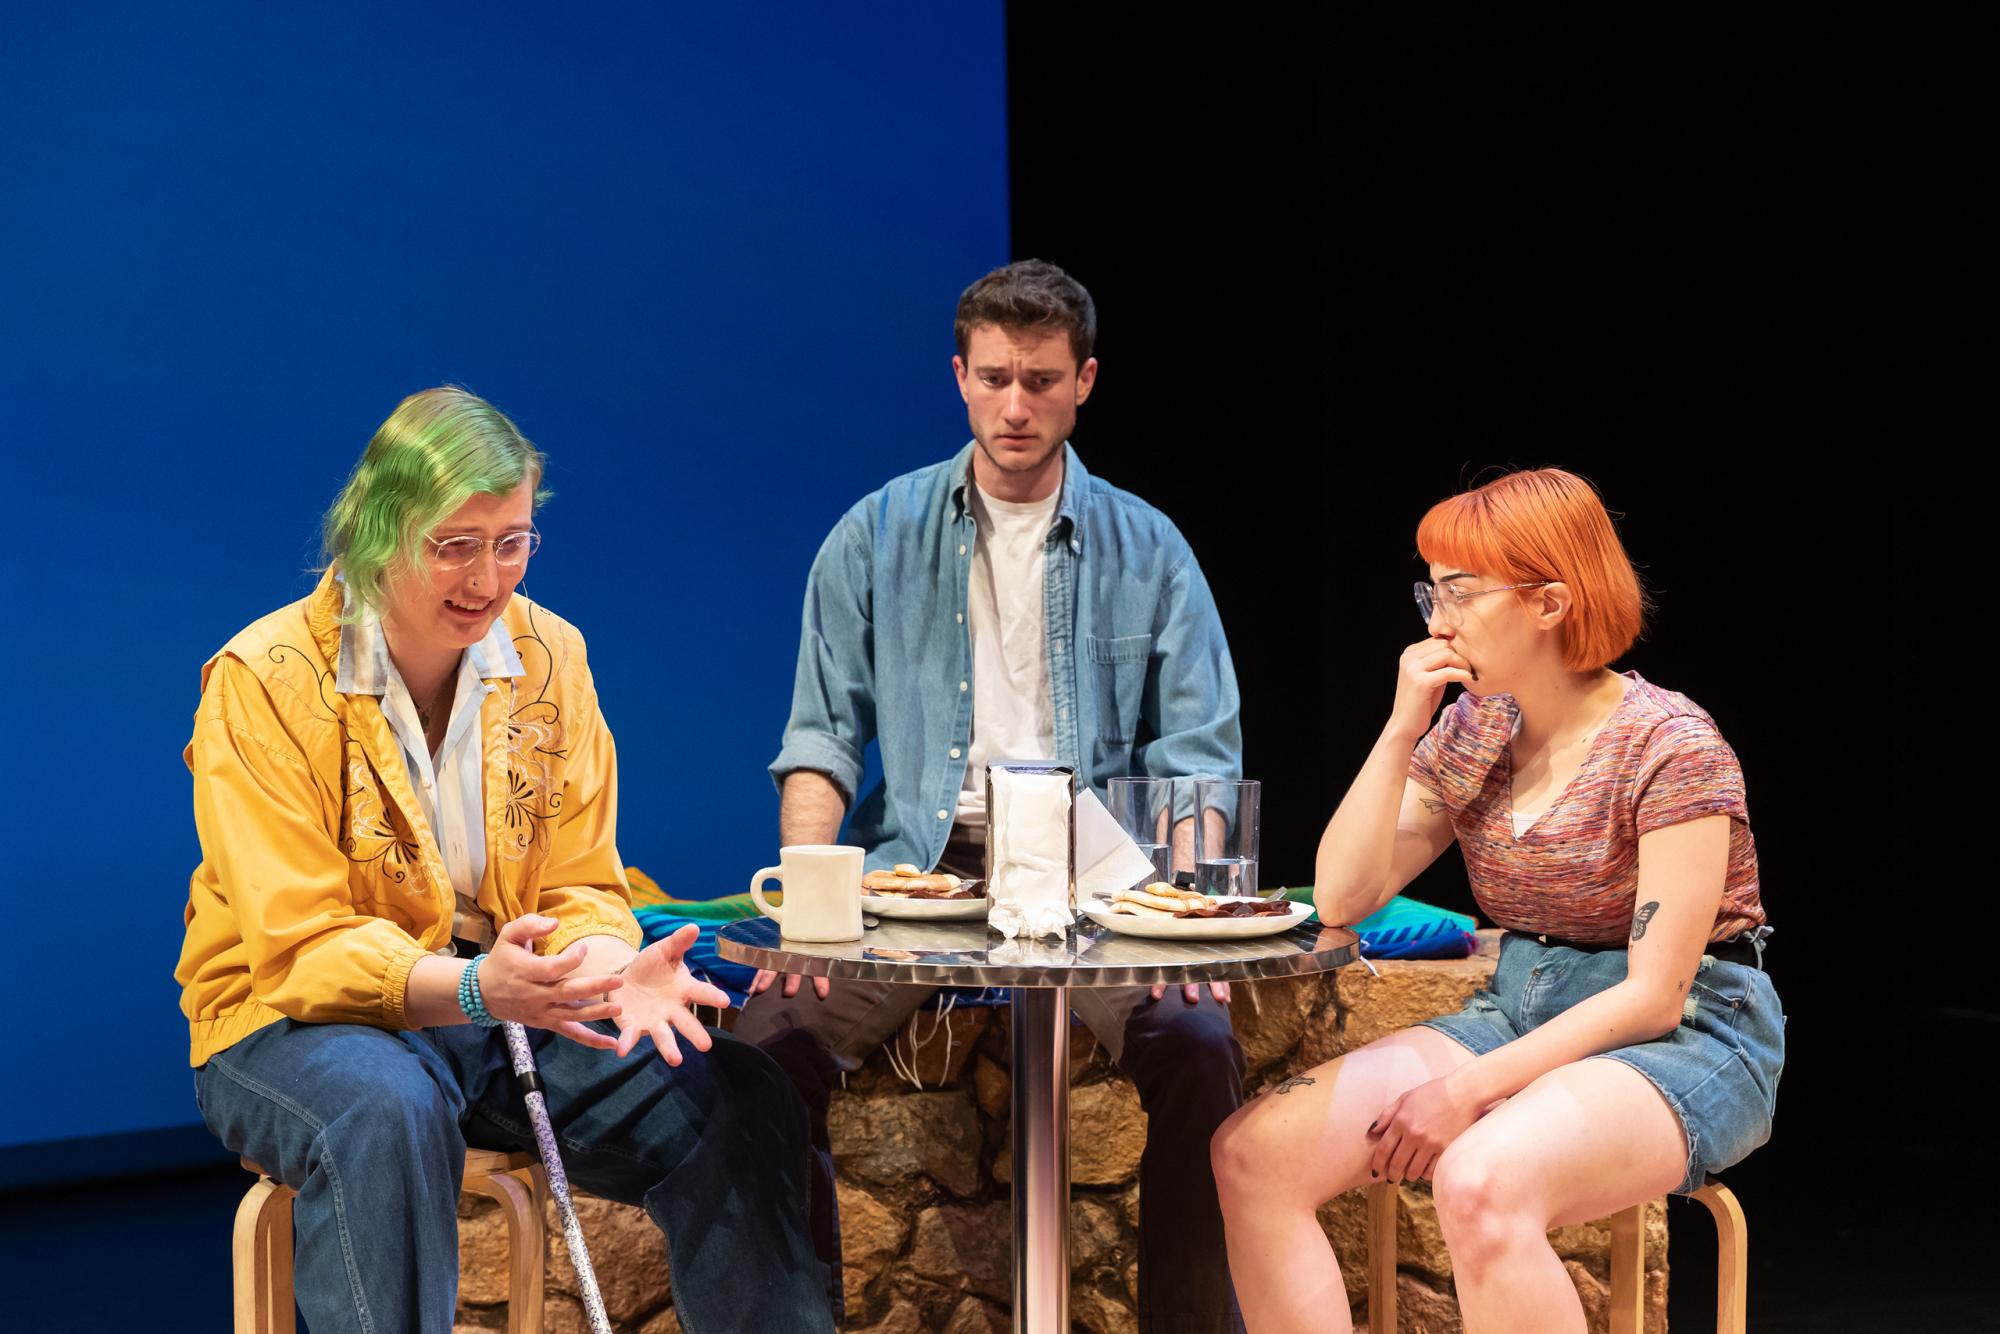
(370, 1127)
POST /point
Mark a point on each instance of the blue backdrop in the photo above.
(706, 257)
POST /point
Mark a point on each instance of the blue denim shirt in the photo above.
(1139, 672)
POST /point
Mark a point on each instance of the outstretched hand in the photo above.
(658, 995)
(545, 991)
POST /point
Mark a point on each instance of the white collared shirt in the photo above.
(449, 785)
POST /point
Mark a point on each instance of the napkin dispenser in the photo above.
(1030, 847)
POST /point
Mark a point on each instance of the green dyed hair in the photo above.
(438, 449)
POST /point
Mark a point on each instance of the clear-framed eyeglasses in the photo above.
(509, 550)
(1450, 600)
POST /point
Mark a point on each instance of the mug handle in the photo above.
(773, 911)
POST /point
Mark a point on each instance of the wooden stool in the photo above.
(261, 1250)
(1628, 1261)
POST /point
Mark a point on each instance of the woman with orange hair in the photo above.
(1631, 1041)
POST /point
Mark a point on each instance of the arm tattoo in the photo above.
(1294, 1081)
(1432, 804)
(1643, 916)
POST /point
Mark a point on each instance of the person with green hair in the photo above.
(406, 797)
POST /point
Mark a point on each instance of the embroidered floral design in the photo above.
(530, 804)
(277, 653)
(535, 744)
(371, 835)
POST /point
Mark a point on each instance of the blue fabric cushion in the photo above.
(1406, 928)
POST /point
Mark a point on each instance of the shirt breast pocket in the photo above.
(1118, 671)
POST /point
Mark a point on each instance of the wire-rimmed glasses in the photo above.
(510, 549)
(1451, 600)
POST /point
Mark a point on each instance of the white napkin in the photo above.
(1029, 829)
(1107, 860)
(1031, 920)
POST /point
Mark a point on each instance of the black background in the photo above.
(1349, 261)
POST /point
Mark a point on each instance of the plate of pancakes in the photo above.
(905, 891)
(1160, 911)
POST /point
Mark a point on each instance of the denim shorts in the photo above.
(1718, 1071)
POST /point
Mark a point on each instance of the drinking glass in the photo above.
(1225, 836)
(1144, 809)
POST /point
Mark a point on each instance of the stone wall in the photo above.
(924, 1179)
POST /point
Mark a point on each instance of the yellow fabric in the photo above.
(321, 884)
(646, 891)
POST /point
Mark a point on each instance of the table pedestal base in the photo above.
(1041, 1160)
(964, 954)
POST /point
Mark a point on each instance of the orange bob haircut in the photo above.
(1546, 525)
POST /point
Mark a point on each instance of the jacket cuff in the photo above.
(396, 986)
(564, 936)
(821, 751)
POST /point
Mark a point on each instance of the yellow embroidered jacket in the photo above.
(321, 884)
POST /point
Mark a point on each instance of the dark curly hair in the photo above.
(1029, 294)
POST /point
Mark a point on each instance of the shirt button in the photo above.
(1065, 715)
(944, 815)
(961, 618)
(961, 549)
(962, 685)
(954, 752)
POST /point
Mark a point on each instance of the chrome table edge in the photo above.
(960, 954)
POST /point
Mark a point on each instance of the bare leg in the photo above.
(1287, 1152)
(1582, 1142)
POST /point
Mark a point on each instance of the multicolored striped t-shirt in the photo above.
(1574, 873)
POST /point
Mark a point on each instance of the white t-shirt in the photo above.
(1013, 717)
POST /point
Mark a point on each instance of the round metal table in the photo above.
(1041, 972)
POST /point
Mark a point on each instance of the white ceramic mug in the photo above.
(822, 892)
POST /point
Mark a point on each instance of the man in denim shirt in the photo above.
(1007, 605)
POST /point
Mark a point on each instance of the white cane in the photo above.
(545, 1144)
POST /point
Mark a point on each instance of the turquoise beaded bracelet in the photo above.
(469, 999)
